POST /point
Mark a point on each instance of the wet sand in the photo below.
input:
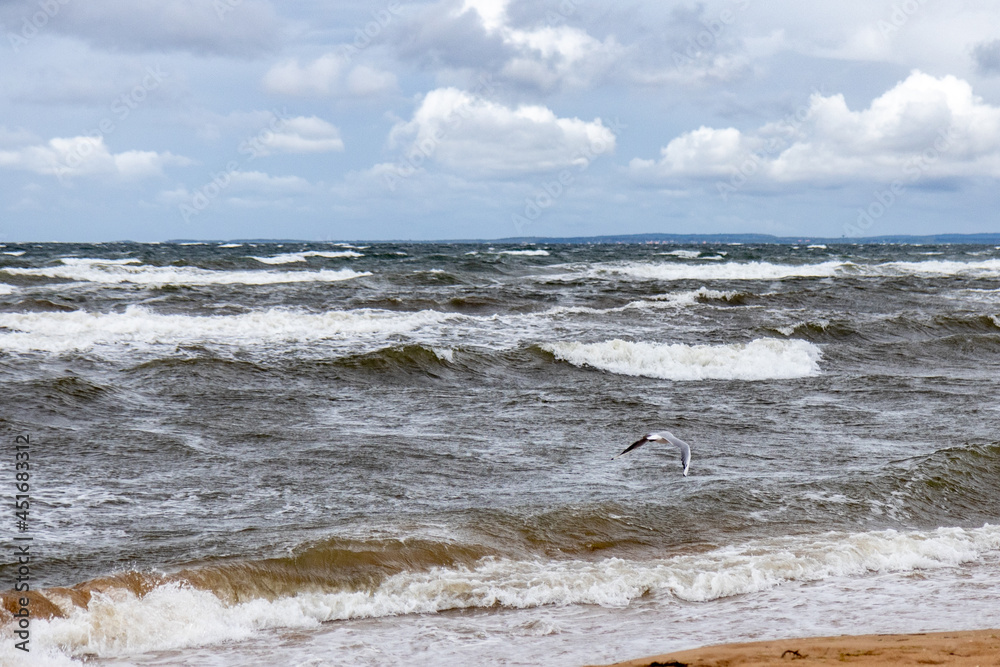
(979, 647)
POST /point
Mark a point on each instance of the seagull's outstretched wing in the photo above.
(635, 445)
(685, 451)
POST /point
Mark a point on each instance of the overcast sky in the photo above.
(157, 119)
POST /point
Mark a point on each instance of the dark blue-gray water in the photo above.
(402, 452)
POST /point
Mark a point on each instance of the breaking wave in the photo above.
(61, 332)
(525, 253)
(770, 271)
(761, 359)
(132, 613)
(405, 359)
(943, 267)
(290, 257)
(726, 271)
(133, 272)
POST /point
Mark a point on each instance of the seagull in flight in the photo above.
(667, 437)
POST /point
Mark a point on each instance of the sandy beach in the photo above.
(979, 647)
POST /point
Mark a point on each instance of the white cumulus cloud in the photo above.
(258, 181)
(464, 132)
(328, 75)
(303, 135)
(559, 55)
(72, 157)
(924, 127)
(702, 152)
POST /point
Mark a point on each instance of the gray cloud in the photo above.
(531, 49)
(987, 57)
(242, 28)
(557, 44)
(690, 44)
(441, 36)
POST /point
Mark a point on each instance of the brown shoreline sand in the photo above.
(977, 647)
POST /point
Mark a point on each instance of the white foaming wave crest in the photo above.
(726, 271)
(290, 257)
(97, 261)
(6, 289)
(137, 326)
(524, 253)
(944, 267)
(691, 297)
(48, 656)
(673, 300)
(761, 359)
(119, 624)
(125, 271)
(444, 353)
(769, 271)
(683, 254)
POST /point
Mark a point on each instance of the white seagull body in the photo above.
(667, 437)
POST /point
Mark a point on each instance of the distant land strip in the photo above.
(680, 239)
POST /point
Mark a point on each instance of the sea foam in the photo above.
(770, 271)
(989, 267)
(131, 271)
(659, 301)
(525, 253)
(761, 359)
(118, 623)
(290, 257)
(722, 271)
(140, 327)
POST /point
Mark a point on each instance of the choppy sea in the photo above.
(349, 454)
